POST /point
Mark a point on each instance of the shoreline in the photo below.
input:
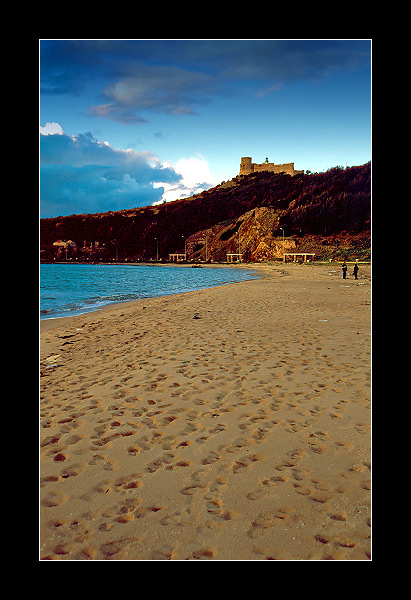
(220, 424)
(67, 319)
(54, 322)
(261, 268)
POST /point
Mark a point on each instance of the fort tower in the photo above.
(246, 166)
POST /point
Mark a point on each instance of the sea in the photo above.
(74, 289)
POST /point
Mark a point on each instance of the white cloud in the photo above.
(51, 129)
(83, 175)
(195, 170)
(196, 177)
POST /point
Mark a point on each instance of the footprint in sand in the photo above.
(214, 506)
(49, 479)
(73, 470)
(204, 553)
(166, 553)
(245, 462)
(211, 458)
(53, 498)
(266, 520)
(343, 445)
(191, 490)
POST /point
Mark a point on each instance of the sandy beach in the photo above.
(225, 424)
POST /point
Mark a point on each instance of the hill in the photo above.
(329, 211)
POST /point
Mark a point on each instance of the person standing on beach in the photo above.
(344, 269)
(355, 271)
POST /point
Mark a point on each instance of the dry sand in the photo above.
(241, 434)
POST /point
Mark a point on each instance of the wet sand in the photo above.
(225, 424)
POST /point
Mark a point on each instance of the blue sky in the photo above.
(127, 123)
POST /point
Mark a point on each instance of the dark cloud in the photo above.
(179, 76)
(68, 66)
(282, 61)
(82, 175)
(169, 89)
(115, 113)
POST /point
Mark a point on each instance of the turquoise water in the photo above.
(70, 289)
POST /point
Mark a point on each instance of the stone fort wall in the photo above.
(247, 167)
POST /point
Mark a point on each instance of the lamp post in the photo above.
(283, 244)
(157, 247)
(185, 247)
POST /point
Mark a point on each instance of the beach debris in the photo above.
(52, 358)
(323, 320)
(196, 317)
(51, 362)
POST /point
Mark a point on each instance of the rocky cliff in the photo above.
(251, 235)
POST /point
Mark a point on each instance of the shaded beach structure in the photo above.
(295, 254)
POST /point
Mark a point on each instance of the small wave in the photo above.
(79, 289)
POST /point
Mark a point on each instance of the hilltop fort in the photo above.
(247, 167)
